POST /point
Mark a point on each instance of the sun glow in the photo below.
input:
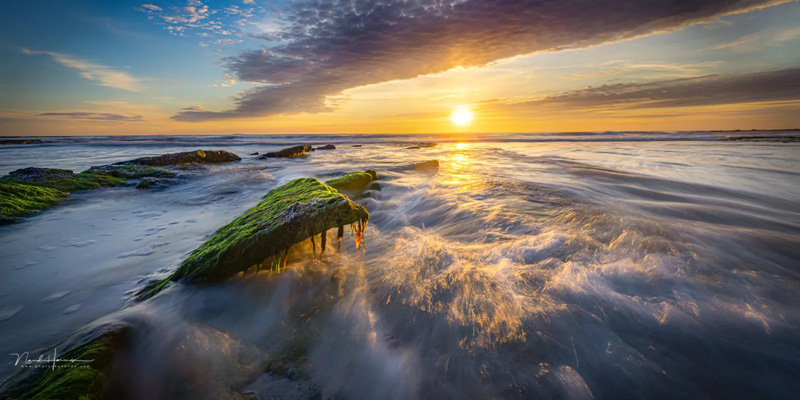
(461, 116)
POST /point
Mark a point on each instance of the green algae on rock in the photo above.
(19, 200)
(288, 214)
(61, 179)
(133, 171)
(87, 378)
(189, 157)
(353, 181)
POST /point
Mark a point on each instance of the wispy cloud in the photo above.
(105, 75)
(94, 116)
(777, 85)
(757, 41)
(328, 46)
(227, 81)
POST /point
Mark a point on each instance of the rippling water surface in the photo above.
(567, 266)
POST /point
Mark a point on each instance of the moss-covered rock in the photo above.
(425, 165)
(352, 182)
(147, 183)
(18, 200)
(87, 379)
(289, 152)
(61, 179)
(288, 214)
(189, 157)
(132, 171)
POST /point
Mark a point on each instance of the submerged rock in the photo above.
(89, 378)
(356, 145)
(326, 147)
(289, 214)
(147, 183)
(189, 157)
(254, 154)
(425, 165)
(133, 171)
(21, 141)
(290, 152)
(18, 200)
(61, 179)
(421, 145)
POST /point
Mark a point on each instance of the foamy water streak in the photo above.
(521, 269)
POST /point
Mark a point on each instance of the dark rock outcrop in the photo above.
(189, 157)
(290, 152)
(21, 141)
(326, 147)
(764, 139)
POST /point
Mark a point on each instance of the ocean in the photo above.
(580, 265)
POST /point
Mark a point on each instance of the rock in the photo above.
(352, 182)
(421, 145)
(765, 139)
(373, 174)
(288, 215)
(147, 183)
(19, 200)
(61, 179)
(432, 164)
(254, 154)
(326, 147)
(88, 380)
(290, 152)
(21, 141)
(189, 157)
(133, 171)
(356, 145)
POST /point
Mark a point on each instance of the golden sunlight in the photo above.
(461, 116)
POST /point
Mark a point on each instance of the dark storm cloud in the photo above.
(778, 85)
(93, 116)
(328, 46)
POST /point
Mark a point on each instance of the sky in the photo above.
(92, 67)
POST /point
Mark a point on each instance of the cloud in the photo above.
(107, 76)
(777, 85)
(93, 116)
(152, 7)
(227, 81)
(759, 40)
(194, 14)
(327, 46)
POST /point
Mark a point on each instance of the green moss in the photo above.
(61, 179)
(353, 181)
(81, 380)
(133, 171)
(152, 288)
(288, 214)
(18, 200)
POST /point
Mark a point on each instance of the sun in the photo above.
(461, 116)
